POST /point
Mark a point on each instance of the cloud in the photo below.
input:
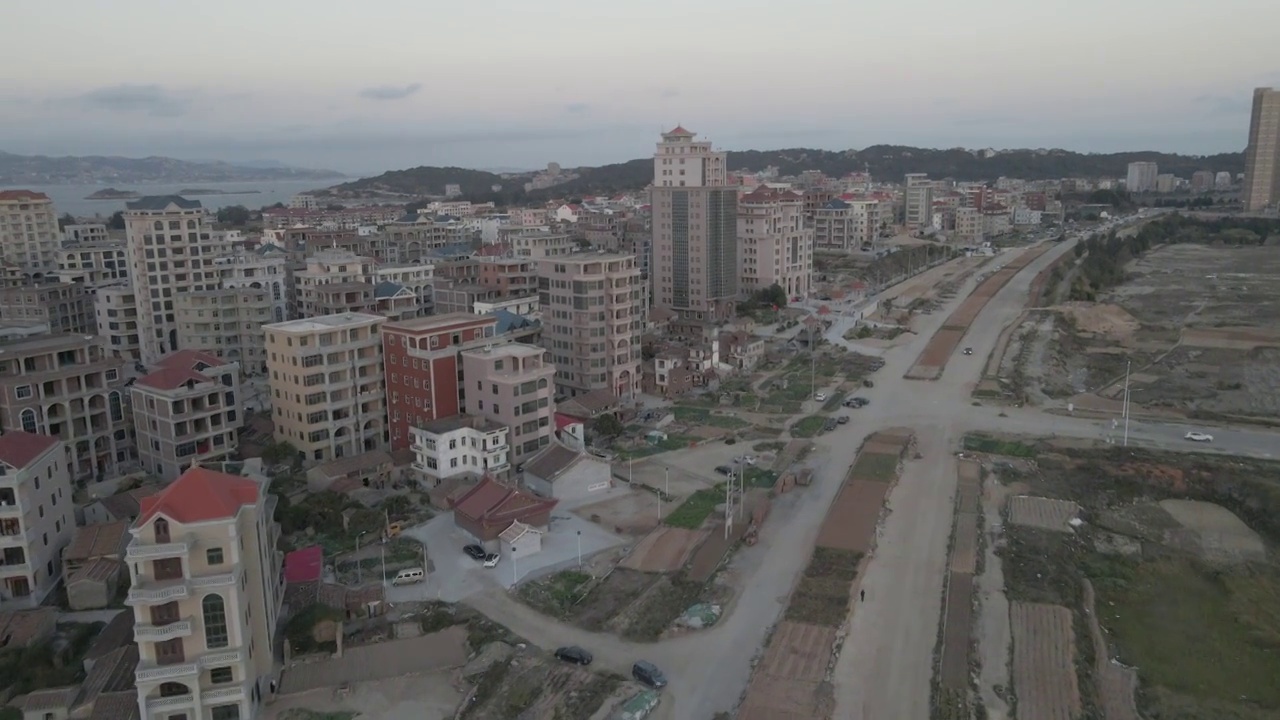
(577, 108)
(1221, 104)
(390, 92)
(148, 99)
(669, 92)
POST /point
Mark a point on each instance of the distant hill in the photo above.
(45, 170)
(888, 162)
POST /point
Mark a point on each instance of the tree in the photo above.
(279, 452)
(117, 221)
(607, 426)
(65, 220)
(334, 207)
(234, 215)
(774, 295)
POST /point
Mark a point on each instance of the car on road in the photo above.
(843, 420)
(820, 397)
(968, 351)
(725, 470)
(868, 383)
(649, 674)
(1196, 436)
(829, 425)
(491, 560)
(574, 654)
(475, 552)
(745, 459)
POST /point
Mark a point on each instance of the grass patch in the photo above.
(768, 446)
(555, 595)
(673, 442)
(759, 477)
(824, 592)
(994, 446)
(661, 606)
(299, 628)
(704, 416)
(875, 466)
(695, 509)
(1205, 633)
(808, 427)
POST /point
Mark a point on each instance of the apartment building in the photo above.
(695, 228)
(206, 591)
(918, 199)
(541, 244)
(412, 237)
(254, 270)
(335, 281)
(423, 371)
(327, 384)
(1261, 155)
(69, 387)
(459, 446)
(37, 517)
(170, 249)
(92, 263)
(91, 233)
(228, 323)
(64, 307)
(775, 247)
(1141, 177)
(593, 315)
(969, 224)
(187, 410)
(115, 310)
(29, 235)
(513, 385)
(415, 278)
(463, 282)
(846, 225)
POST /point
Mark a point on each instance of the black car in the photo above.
(574, 654)
(868, 383)
(475, 552)
(725, 470)
(843, 419)
(649, 674)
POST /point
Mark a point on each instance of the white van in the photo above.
(410, 576)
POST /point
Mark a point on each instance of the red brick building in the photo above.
(420, 361)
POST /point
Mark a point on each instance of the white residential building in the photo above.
(94, 264)
(29, 235)
(187, 410)
(1141, 177)
(36, 517)
(116, 310)
(459, 445)
(206, 593)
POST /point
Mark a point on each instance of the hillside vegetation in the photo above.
(884, 161)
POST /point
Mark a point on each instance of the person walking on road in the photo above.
(862, 595)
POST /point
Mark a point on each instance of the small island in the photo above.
(113, 194)
(206, 191)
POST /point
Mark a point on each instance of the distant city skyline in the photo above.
(519, 85)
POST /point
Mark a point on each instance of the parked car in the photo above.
(1195, 436)
(725, 470)
(843, 420)
(574, 654)
(649, 674)
(745, 459)
(968, 351)
(829, 425)
(868, 383)
(820, 397)
(475, 552)
(491, 560)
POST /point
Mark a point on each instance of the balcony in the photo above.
(222, 695)
(15, 569)
(218, 659)
(14, 540)
(152, 672)
(163, 591)
(160, 633)
(10, 510)
(212, 581)
(139, 551)
(168, 703)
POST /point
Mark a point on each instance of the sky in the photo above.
(387, 84)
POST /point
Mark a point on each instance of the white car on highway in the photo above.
(1195, 436)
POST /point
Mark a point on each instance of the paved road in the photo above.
(885, 667)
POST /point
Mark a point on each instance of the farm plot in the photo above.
(666, 549)
(1044, 676)
(1044, 513)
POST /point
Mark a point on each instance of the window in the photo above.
(22, 392)
(161, 527)
(215, 621)
(225, 712)
(220, 675)
(214, 556)
(169, 652)
(29, 421)
(117, 409)
(113, 374)
(173, 689)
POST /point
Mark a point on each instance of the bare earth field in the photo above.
(1043, 662)
(1200, 323)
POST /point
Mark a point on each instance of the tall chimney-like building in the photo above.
(1262, 156)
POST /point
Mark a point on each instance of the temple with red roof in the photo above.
(489, 507)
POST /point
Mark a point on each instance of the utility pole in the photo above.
(1126, 402)
(580, 539)
(359, 569)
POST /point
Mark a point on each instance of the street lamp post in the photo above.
(579, 548)
(359, 569)
(1126, 402)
